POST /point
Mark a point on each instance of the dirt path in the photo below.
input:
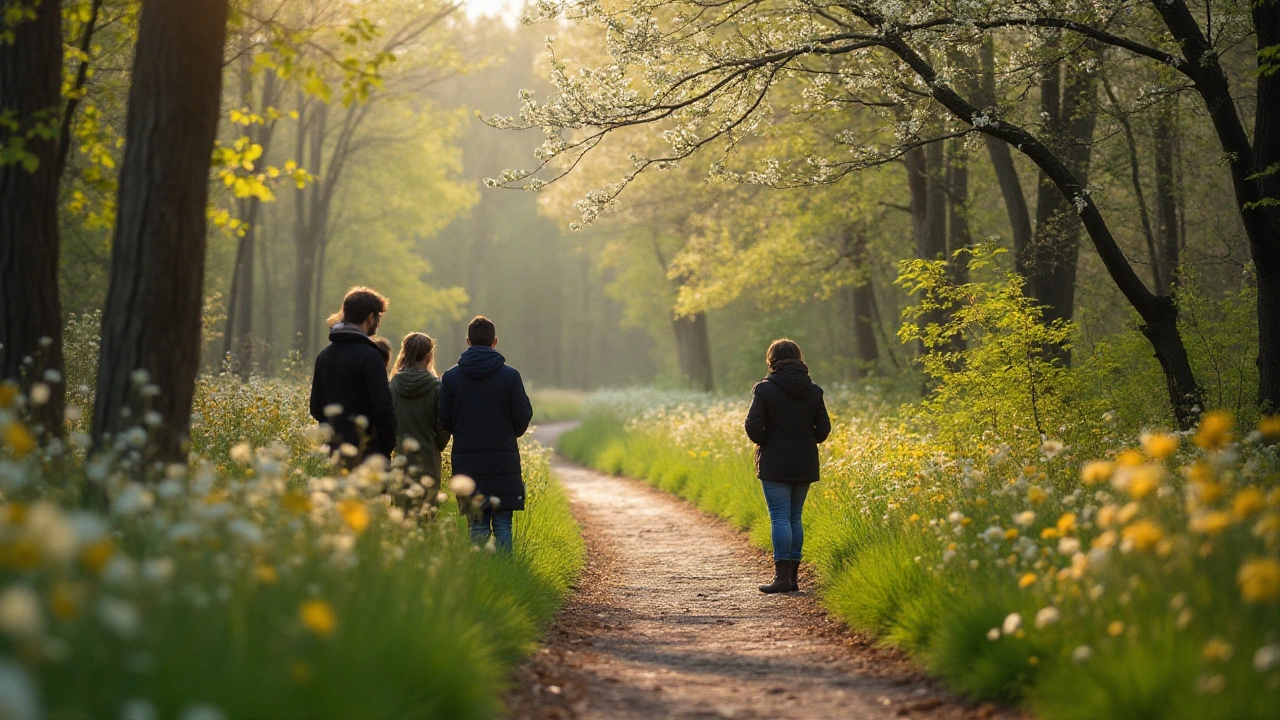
(666, 622)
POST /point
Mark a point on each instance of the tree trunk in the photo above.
(1168, 241)
(693, 346)
(1265, 242)
(153, 308)
(1015, 201)
(958, 235)
(866, 350)
(30, 310)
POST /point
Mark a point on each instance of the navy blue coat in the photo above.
(787, 420)
(484, 405)
(350, 373)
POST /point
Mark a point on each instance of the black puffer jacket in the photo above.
(484, 404)
(351, 375)
(786, 421)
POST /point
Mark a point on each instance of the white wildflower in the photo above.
(1025, 518)
(157, 570)
(119, 616)
(40, 393)
(1012, 624)
(1047, 616)
(412, 445)
(462, 485)
(241, 454)
(20, 615)
(1068, 546)
(1081, 654)
(993, 634)
(1267, 657)
(134, 499)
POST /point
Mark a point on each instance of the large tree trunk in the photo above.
(153, 309)
(693, 346)
(958, 235)
(1265, 240)
(30, 311)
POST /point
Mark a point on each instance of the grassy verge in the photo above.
(1143, 584)
(246, 586)
(556, 404)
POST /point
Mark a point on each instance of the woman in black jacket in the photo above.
(786, 421)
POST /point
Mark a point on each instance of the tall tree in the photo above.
(152, 320)
(30, 98)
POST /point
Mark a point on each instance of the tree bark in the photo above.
(152, 320)
(1015, 201)
(866, 350)
(30, 310)
(1168, 233)
(958, 235)
(693, 346)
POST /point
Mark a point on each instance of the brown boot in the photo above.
(782, 581)
(795, 574)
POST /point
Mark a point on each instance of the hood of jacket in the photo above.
(413, 383)
(344, 333)
(480, 362)
(793, 377)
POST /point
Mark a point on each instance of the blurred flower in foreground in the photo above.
(1259, 580)
(1215, 430)
(318, 617)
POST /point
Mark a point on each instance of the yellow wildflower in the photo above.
(1096, 471)
(1269, 427)
(1115, 628)
(1160, 445)
(1067, 523)
(8, 392)
(266, 574)
(1126, 513)
(1211, 522)
(1259, 580)
(318, 617)
(1049, 533)
(1107, 516)
(914, 518)
(1105, 541)
(1036, 495)
(1130, 458)
(19, 439)
(354, 514)
(1026, 580)
(1216, 650)
(1268, 526)
(1011, 534)
(295, 502)
(96, 556)
(1142, 535)
(1247, 503)
(1215, 430)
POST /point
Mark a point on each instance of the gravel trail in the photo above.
(666, 622)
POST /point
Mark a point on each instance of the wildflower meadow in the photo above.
(256, 580)
(1117, 574)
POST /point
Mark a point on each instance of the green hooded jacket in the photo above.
(415, 394)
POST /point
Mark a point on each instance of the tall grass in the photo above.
(1146, 584)
(251, 585)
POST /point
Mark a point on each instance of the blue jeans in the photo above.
(786, 502)
(489, 520)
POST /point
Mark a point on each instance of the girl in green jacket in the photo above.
(415, 394)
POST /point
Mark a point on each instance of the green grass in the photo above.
(556, 404)
(197, 594)
(1136, 629)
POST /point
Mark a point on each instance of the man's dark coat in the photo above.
(351, 375)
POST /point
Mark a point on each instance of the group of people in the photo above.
(480, 402)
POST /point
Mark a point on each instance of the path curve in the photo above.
(666, 622)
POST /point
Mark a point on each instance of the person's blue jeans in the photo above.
(495, 522)
(786, 502)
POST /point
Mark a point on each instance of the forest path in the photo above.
(666, 622)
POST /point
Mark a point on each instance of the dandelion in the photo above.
(1247, 503)
(20, 615)
(1259, 580)
(1267, 657)
(1067, 523)
(1036, 495)
(462, 485)
(1269, 428)
(1216, 650)
(1142, 535)
(1047, 616)
(318, 617)
(1159, 445)
(1139, 481)
(1215, 430)
(1026, 580)
(1115, 628)
(1096, 471)
(1211, 522)
(1012, 624)
(20, 440)
(354, 514)
(241, 454)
